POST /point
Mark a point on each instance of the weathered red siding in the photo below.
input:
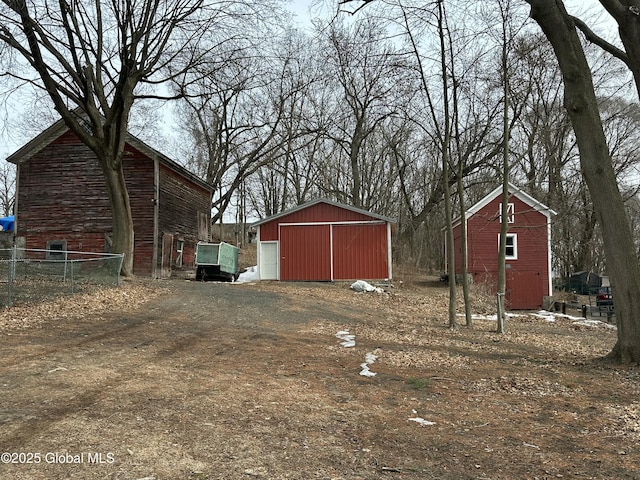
(181, 202)
(139, 173)
(62, 196)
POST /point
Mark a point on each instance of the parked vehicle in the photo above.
(604, 297)
(216, 261)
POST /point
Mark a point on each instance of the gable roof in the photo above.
(302, 206)
(513, 191)
(55, 131)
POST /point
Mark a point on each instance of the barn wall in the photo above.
(305, 252)
(484, 227)
(62, 196)
(62, 191)
(184, 206)
(139, 173)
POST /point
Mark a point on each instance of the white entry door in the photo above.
(268, 263)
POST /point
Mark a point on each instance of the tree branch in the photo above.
(592, 37)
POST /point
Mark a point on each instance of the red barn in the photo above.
(324, 240)
(62, 201)
(528, 261)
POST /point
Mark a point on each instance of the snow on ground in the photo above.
(348, 340)
(249, 275)
(549, 317)
(369, 358)
(362, 286)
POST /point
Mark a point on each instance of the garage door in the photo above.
(360, 252)
(305, 252)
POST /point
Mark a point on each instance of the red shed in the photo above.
(528, 261)
(62, 201)
(324, 240)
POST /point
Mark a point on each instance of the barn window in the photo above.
(510, 213)
(56, 249)
(511, 252)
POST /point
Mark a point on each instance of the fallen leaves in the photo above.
(128, 296)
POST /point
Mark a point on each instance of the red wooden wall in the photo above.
(62, 196)
(528, 276)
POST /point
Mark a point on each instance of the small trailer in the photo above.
(216, 261)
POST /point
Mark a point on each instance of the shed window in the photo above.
(511, 252)
(510, 213)
(56, 249)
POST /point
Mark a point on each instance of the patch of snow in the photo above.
(422, 421)
(489, 317)
(365, 372)
(551, 317)
(249, 275)
(594, 323)
(348, 340)
(362, 286)
(369, 358)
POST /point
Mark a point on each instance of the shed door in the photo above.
(360, 252)
(268, 268)
(524, 290)
(305, 252)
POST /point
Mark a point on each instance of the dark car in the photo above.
(604, 297)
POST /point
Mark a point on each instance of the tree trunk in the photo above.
(580, 102)
(504, 214)
(122, 221)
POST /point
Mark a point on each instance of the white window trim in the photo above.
(511, 218)
(514, 236)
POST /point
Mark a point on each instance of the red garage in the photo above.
(528, 259)
(324, 240)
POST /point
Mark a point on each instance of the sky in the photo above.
(304, 11)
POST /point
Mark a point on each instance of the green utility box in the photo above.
(216, 261)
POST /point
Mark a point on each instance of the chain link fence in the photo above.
(32, 275)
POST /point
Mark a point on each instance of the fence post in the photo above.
(11, 275)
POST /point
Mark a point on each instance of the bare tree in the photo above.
(7, 189)
(242, 117)
(363, 68)
(95, 59)
(581, 103)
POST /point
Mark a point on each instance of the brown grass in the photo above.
(229, 381)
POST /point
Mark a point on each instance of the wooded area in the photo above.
(385, 108)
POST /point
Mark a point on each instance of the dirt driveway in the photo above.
(192, 380)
